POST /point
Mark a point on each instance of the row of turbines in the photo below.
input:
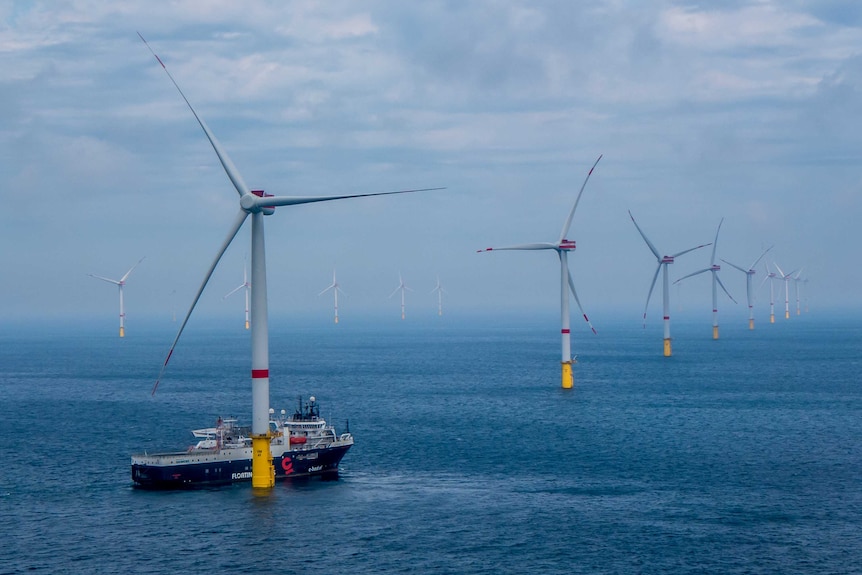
(245, 286)
(563, 246)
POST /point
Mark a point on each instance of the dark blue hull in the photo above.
(296, 464)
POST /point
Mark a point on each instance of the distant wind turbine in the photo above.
(663, 262)
(770, 275)
(335, 289)
(120, 283)
(796, 286)
(563, 246)
(439, 289)
(247, 287)
(402, 288)
(257, 204)
(715, 281)
(749, 276)
(786, 277)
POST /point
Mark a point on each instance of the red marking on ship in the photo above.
(259, 373)
(287, 465)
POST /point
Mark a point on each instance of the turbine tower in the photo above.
(563, 246)
(120, 283)
(715, 281)
(244, 285)
(439, 289)
(663, 262)
(335, 289)
(257, 204)
(771, 277)
(796, 288)
(786, 277)
(402, 288)
(749, 277)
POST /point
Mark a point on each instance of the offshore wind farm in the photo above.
(736, 454)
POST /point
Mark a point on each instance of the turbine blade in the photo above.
(122, 279)
(692, 274)
(690, 250)
(643, 235)
(761, 256)
(395, 292)
(568, 223)
(541, 246)
(257, 201)
(736, 266)
(240, 219)
(778, 268)
(115, 282)
(575, 294)
(225, 160)
(651, 287)
(233, 291)
(715, 243)
(327, 289)
(718, 279)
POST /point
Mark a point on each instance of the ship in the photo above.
(302, 446)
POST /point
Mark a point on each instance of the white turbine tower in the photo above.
(796, 287)
(120, 283)
(440, 291)
(257, 204)
(563, 246)
(771, 277)
(716, 281)
(402, 288)
(749, 277)
(663, 262)
(786, 277)
(335, 289)
(247, 287)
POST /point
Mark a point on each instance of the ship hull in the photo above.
(190, 471)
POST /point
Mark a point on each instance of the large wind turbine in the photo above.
(786, 277)
(715, 281)
(749, 276)
(257, 204)
(663, 262)
(439, 289)
(402, 288)
(120, 283)
(335, 289)
(247, 287)
(563, 246)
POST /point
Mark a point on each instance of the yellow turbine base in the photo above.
(568, 380)
(336, 319)
(772, 318)
(262, 471)
(787, 315)
(667, 349)
(751, 324)
(715, 332)
(122, 332)
(798, 312)
(246, 325)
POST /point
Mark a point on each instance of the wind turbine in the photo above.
(786, 277)
(402, 288)
(796, 286)
(120, 283)
(663, 262)
(244, 285)
(563, 246)
(439, 289)
(749, 276)
(335, 289)
(715, 281)
(771, 277)
(257, 204)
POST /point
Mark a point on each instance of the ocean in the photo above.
(741, 455)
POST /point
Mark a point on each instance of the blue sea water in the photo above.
(741, 455)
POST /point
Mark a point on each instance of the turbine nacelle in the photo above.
(715, 268)
(567, 245)
(666, 260)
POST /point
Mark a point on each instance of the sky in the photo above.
(744, 110)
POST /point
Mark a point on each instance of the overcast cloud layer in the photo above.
(747, 110)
